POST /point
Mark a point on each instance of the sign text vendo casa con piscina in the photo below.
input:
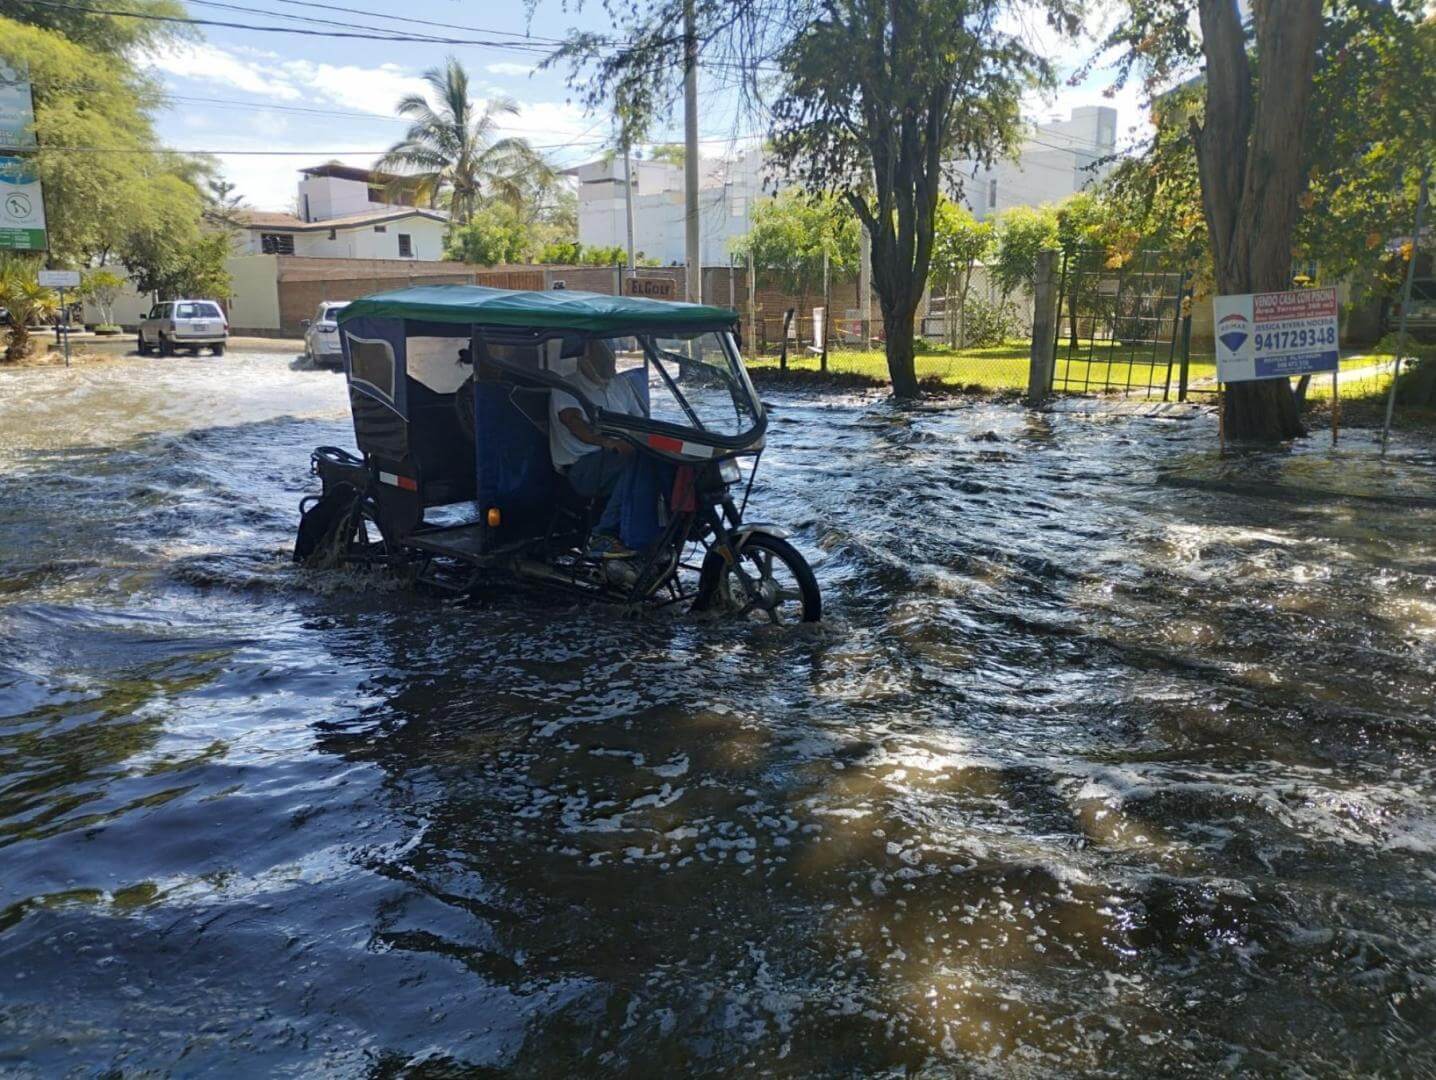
(1275, 335)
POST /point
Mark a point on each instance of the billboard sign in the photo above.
(17, 108)
(1275, 335)
(22, 207)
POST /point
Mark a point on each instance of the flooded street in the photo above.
(1112, 757)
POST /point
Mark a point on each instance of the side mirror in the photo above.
(304, 323)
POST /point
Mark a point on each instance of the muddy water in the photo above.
(1111, 758)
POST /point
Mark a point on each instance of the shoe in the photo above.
(609, 547)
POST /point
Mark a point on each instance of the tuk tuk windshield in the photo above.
(695, 380)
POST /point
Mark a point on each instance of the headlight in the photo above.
(729, 472)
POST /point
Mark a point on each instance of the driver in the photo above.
(593, 463)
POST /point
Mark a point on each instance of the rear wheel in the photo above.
(166, 348)
(776, 586)
(218, 350)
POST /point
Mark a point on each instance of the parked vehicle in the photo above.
(183, 324)
(449, 387)
(321, 336)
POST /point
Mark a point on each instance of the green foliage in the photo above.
(1370, 129)
(1373, 130)
(1022, 231)
(497, 234)
(174, 258)
(102, 206)
(103, 287)
(790, 234)
(27, 301)
(988, 323)
(562, 253)
(450, 152)
(959, 243)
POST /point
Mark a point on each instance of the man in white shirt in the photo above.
(594, 463)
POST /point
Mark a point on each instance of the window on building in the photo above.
(406, 246)
(381, 228)
(992, 194)
(376, 194)
(276, 243)
(334, 234)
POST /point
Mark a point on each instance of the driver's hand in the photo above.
(621, 446)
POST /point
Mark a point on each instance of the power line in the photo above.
(510, 46)
(422, 22)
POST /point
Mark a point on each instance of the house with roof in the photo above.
(346, 213)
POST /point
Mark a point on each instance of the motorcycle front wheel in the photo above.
(776, 586)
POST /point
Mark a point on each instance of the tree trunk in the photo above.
(902, 366)
(17, 345)
(1249, 157)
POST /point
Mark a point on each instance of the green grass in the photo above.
(994, 368)
(1003, 368)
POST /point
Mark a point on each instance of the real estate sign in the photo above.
(17, 108)
(1274, 335)
(22, 207)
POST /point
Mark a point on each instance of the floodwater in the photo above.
(1111, 758)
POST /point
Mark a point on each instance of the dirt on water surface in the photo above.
(1112, 757)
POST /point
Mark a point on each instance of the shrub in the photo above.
(988, 323)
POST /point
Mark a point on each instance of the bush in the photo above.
(987, 323)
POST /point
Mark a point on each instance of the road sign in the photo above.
(22, 206)
(655, 288)
(1275, 335)
(60, 279)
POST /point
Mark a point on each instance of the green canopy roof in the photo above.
(561, 309)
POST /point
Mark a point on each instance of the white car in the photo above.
(183, 324)
(321, 336)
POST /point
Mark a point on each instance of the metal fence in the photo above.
(1123, 328)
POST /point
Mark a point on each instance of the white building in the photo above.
(1054, 162)
(727, 189)
(346, 213)
(1058, 159)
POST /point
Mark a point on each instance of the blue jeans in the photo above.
(632, 483)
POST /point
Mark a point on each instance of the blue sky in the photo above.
(268, 104)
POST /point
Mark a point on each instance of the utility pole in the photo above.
(628, 197)
(690, 153)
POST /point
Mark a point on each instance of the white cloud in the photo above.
(364, 89)
(208, 63)
(509, 67)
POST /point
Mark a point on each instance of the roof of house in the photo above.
(269, 219)
(349, 172)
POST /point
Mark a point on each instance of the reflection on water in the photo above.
(1112, 756)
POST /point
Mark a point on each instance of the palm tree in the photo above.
(450, 152)
(27, 301)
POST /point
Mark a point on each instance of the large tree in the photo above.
(1254, 137)
(868, 100)
(453, 153)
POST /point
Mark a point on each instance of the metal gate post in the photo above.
(1186, 344)
(1044, 327)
